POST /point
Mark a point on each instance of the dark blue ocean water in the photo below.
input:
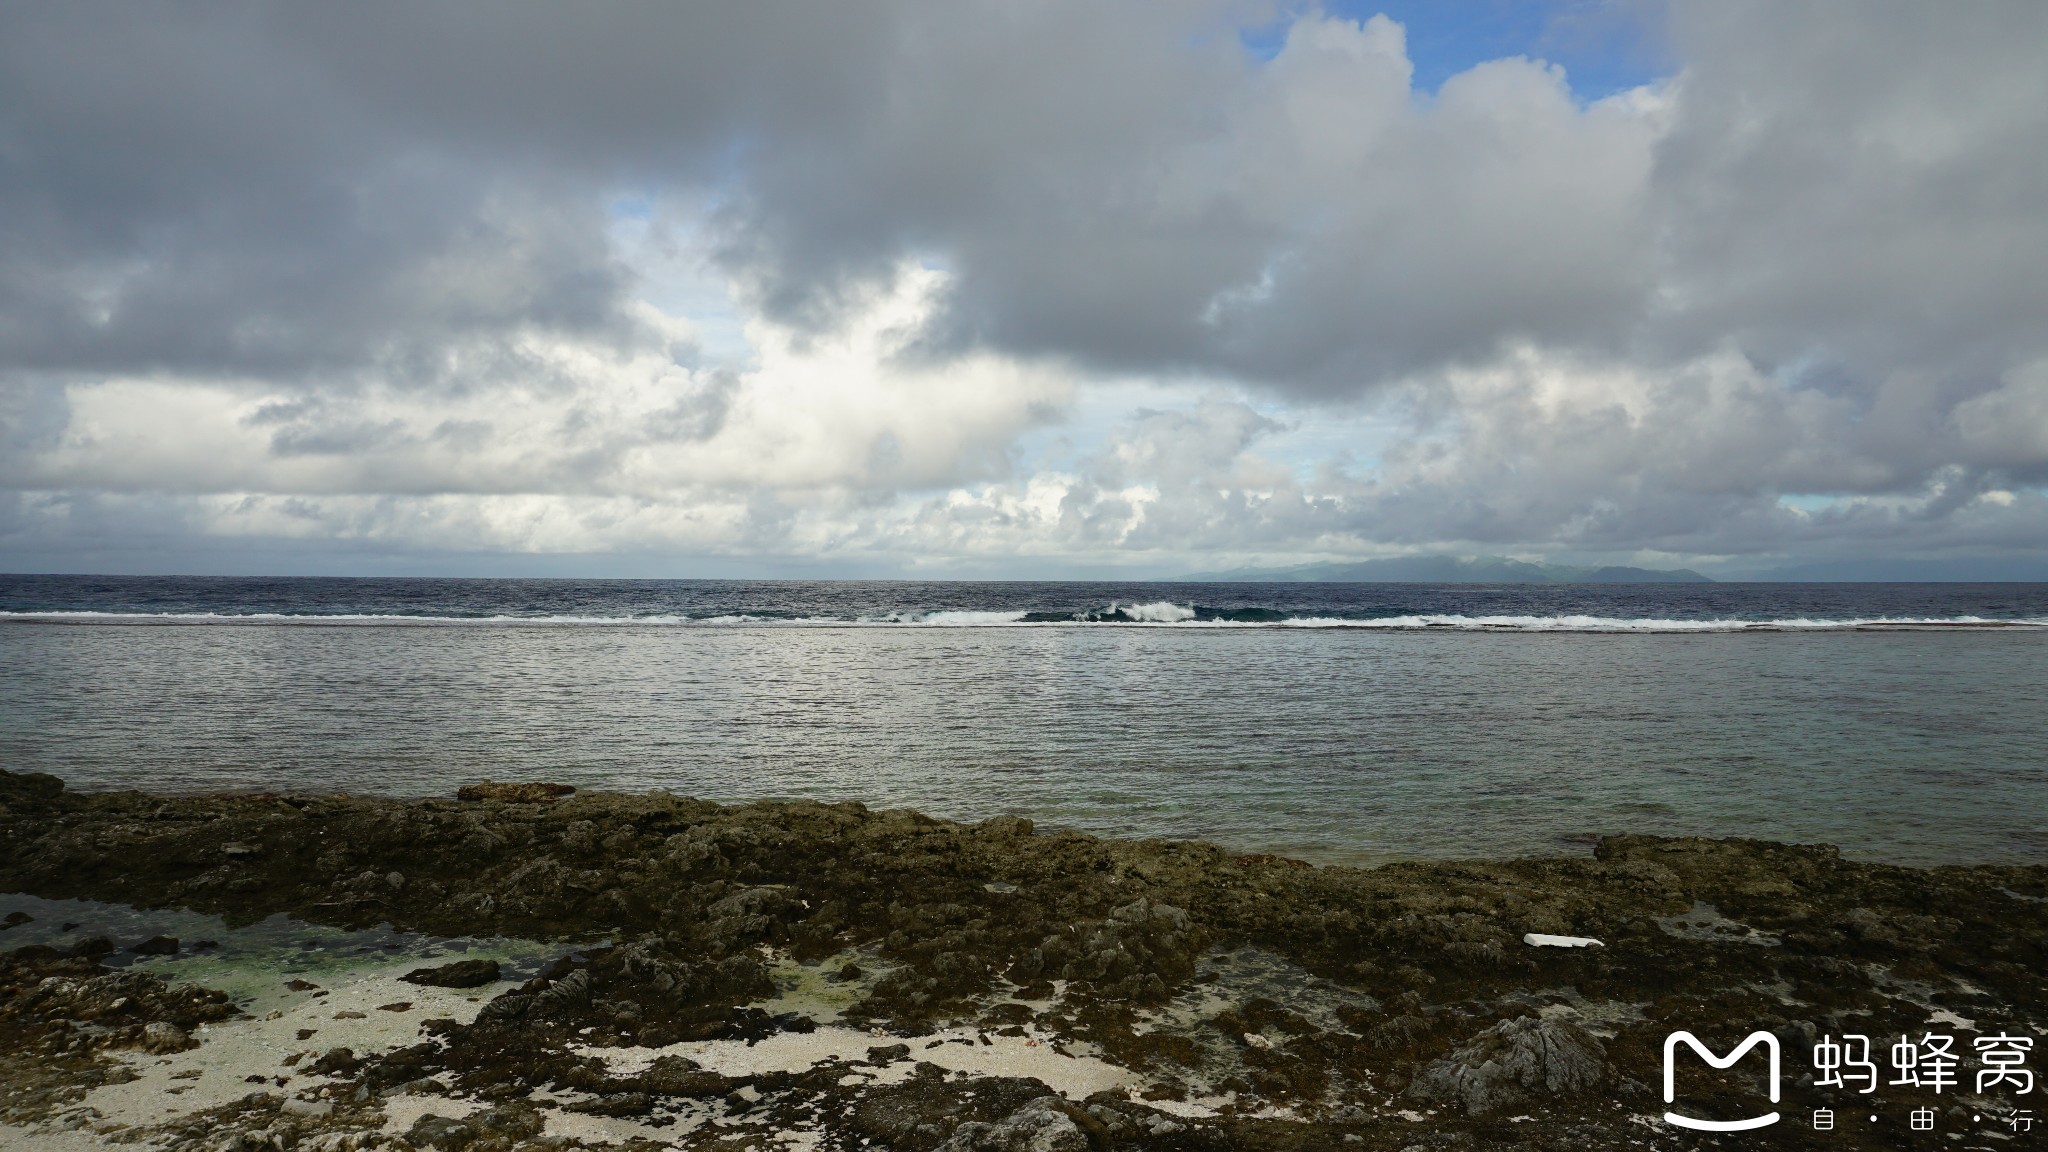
(960, 603)
(1349, 723)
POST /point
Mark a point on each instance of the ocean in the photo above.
(1341, 723)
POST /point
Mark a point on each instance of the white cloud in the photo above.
(548, 414)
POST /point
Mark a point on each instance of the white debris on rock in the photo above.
(1546, 940)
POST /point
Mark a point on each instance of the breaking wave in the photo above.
(1646, 624)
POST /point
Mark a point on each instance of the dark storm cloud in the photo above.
(258, 189)
(1137, 204)
(183, 189)
(261, 188)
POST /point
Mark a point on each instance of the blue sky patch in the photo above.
(1605, 46)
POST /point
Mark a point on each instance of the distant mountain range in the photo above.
(1456, 570)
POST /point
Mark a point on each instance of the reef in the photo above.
(1192, 999)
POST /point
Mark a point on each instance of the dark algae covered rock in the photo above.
(1220, 1002)
(461, 974)
(532, 793)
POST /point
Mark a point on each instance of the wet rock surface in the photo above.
(1043, 1125)
(514, 793)
(1515, 1062)
(460, 974)
(1241, 1002)
(64, 1017)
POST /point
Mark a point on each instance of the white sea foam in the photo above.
(1158, 612)
(1647, 624)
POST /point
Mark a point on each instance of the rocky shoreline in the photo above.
(778, 975)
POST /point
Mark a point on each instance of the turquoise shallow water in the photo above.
(249, 961)
(1333, 744)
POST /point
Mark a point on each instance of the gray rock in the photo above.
(517, 1121)
(564, 996)
(316, 1108)
(161, 1036)
(1043, 1125)
(1512, 1061)
(436, 1131)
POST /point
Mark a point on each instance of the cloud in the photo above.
(2005, 431)
(1581, 457)
(279, 189)
(1307, 222)
(1863, 194)
(554, 415)
(327, 275)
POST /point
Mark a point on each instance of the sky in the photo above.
(1032, 290)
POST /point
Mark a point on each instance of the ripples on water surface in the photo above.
(1581, 710)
